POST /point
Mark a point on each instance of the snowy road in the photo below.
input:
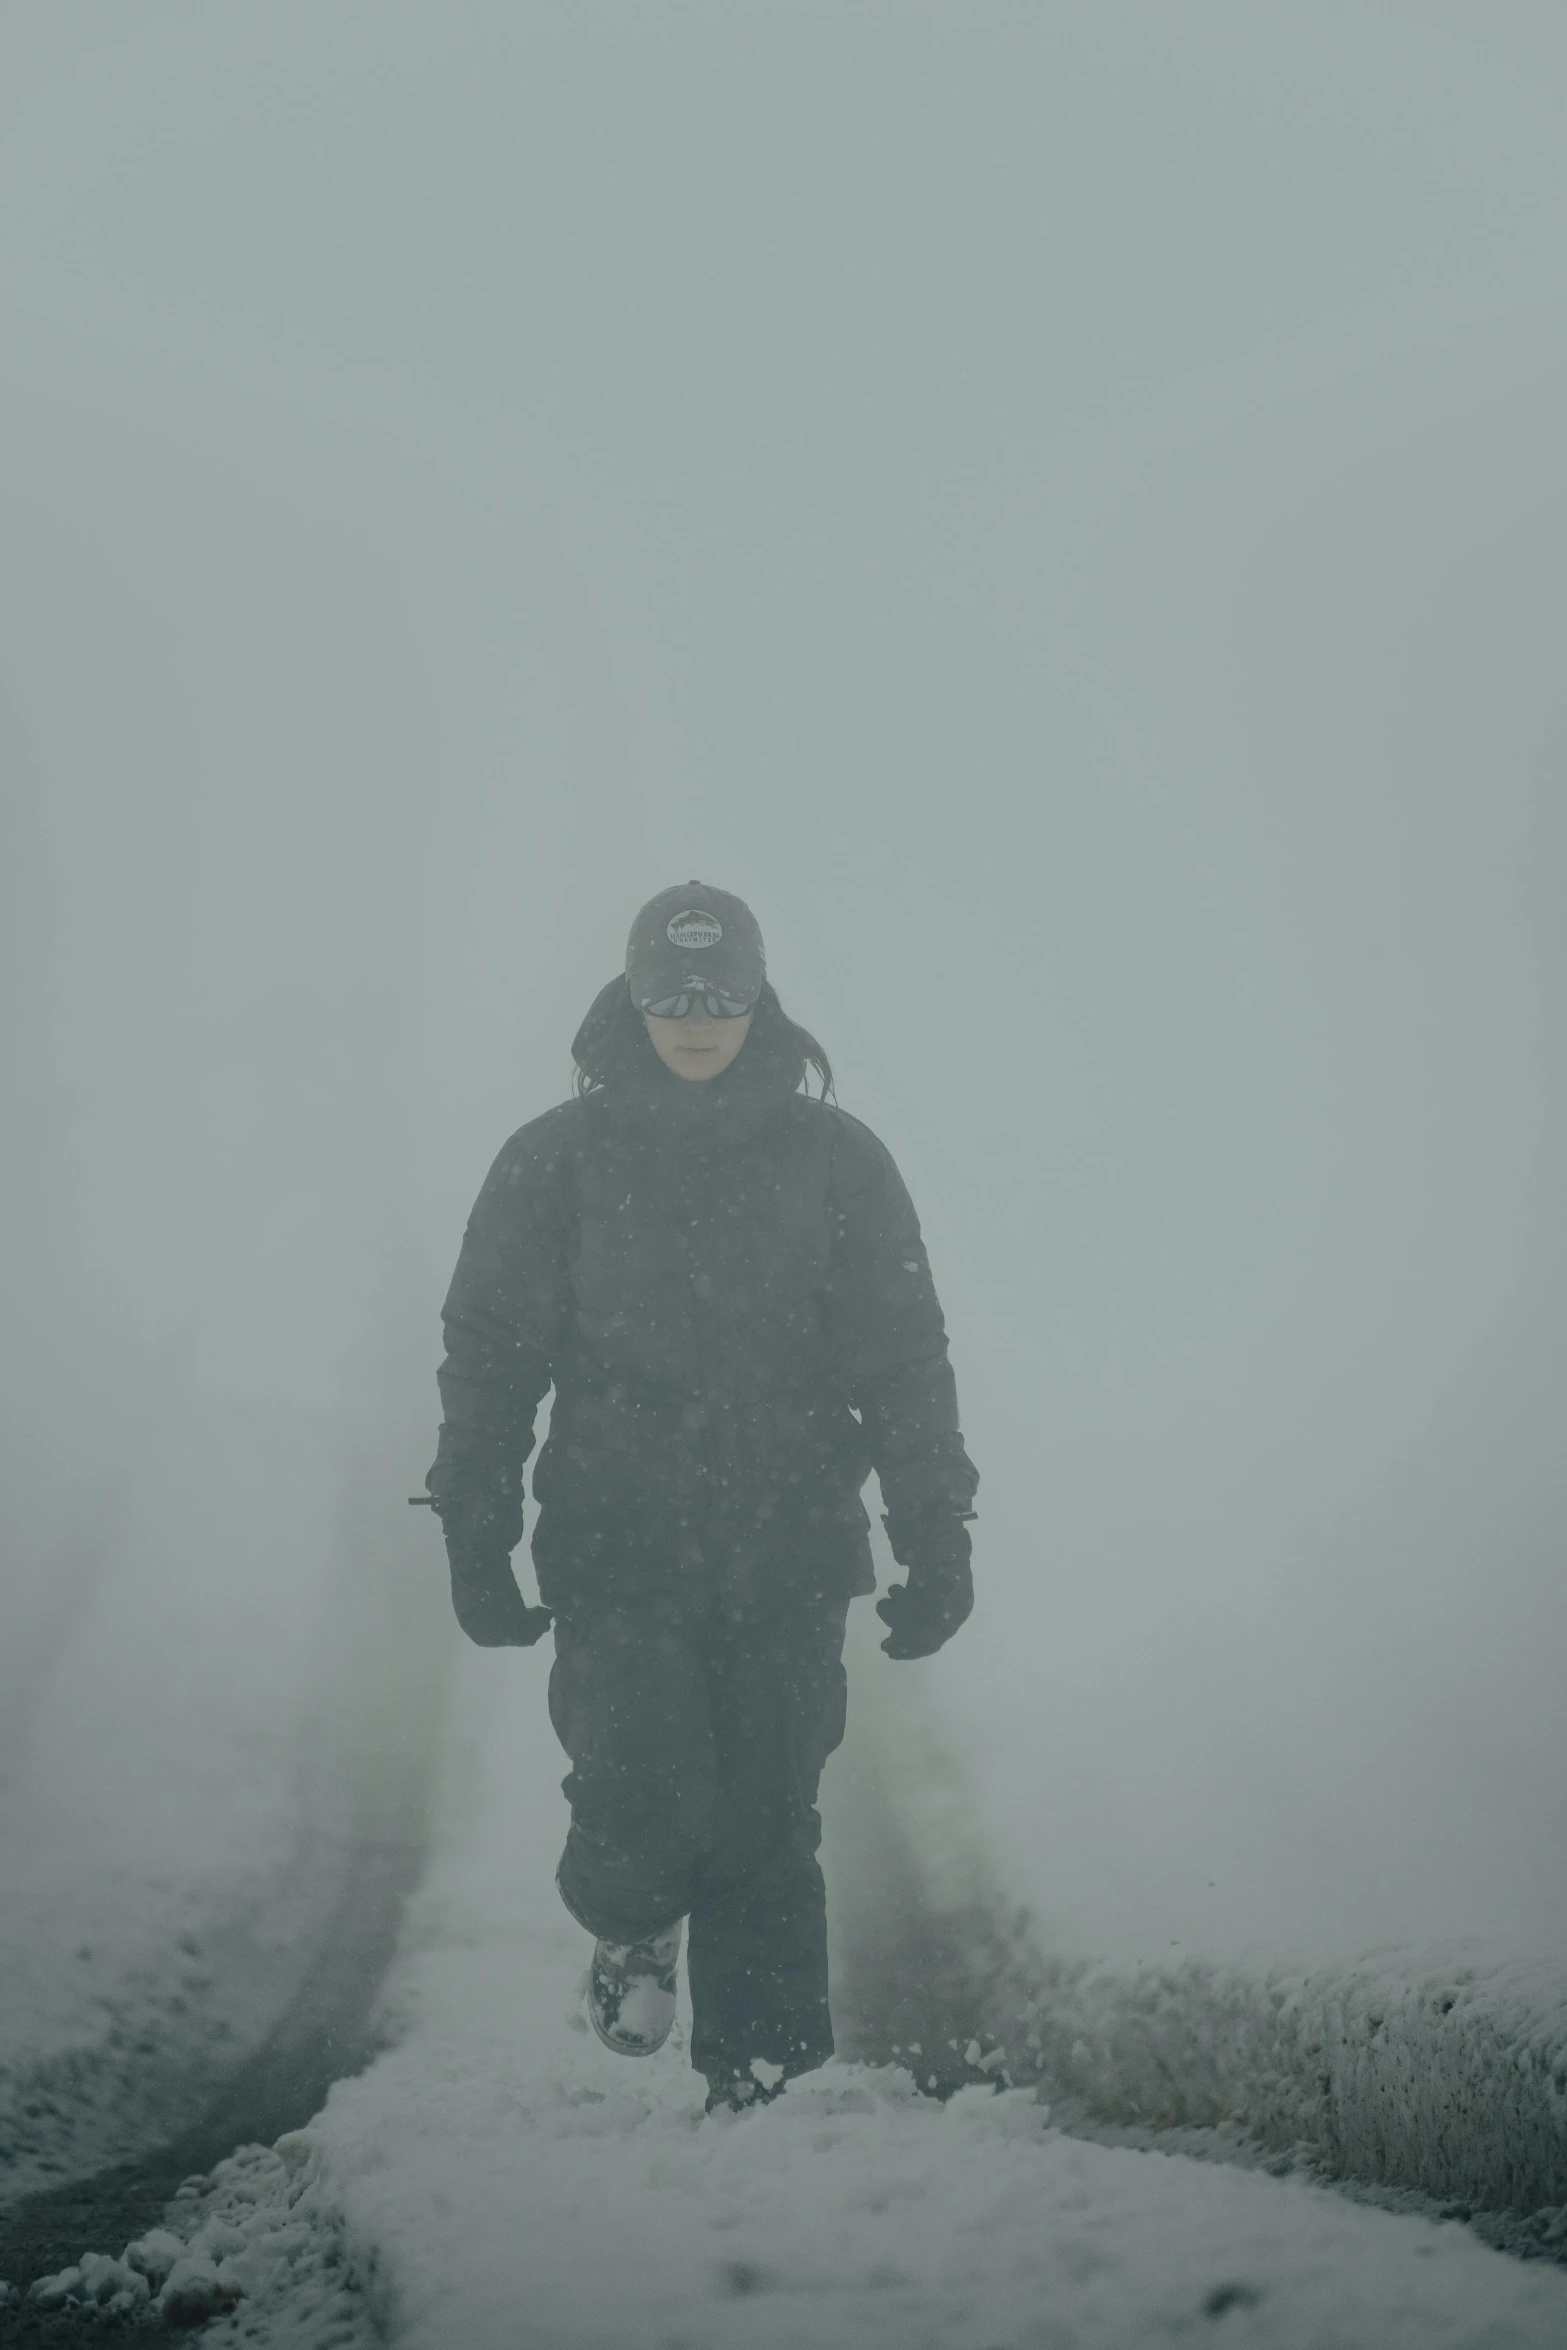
(191, 1938)
(496, 2178)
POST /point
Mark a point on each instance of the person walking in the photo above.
(722, 1278)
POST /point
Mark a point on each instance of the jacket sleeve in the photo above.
(888, 1336)
(504, 1316)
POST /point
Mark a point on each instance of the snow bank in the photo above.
(257, 2240)
(1450, 2079)
(1448, 2075)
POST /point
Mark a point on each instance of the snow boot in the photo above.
(631, 1992)
(741, 2092)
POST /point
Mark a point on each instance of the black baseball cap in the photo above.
(694, 938)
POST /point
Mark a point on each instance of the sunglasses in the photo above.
(692, 1002)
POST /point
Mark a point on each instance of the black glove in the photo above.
(924, 1612)
(488, 1605)
(485, 1598)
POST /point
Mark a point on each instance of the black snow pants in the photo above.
(697, 1741)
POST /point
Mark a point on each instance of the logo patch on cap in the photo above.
(693, 928)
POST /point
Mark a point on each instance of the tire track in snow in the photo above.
(389, 1644)
(927, 1954)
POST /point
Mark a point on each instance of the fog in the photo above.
(1061, 508)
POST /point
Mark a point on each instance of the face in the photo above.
(700, 1047)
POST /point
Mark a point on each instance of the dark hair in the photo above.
(613, 1042)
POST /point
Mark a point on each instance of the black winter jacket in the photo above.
(726, 1286)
